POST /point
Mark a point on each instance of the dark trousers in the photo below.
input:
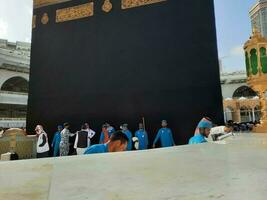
(42, 155)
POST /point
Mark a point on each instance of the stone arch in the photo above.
(16, 84)
(244, 91)
(5, 75)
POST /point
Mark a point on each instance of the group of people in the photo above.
(122, 140)
(82, 144)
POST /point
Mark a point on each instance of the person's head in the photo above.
(124, 127)
(104, 127)
(118, 142)
(141, 126)
(39, 129)
(207, 118)
(228, 128)
(59, 128)
(164, 123)
(204, 128)
(66, 125)
(84, 127)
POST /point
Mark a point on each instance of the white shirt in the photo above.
(217, 130)
(44, 148)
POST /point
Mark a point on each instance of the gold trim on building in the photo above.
(125, 4)
(45, 18)
(107, 6)
(75, 12)
(33, 21)
(42, 3)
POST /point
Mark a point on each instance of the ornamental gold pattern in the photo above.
(45, 18)
(107, 6)
(125, 4)
(42, 3)
(75, 12)
(33, 21)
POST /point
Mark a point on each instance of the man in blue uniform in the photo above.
(203, 131)
(56, 141)
(118, 142)
(129, 134)
(141, 134)
(165, 136)
(106, 128)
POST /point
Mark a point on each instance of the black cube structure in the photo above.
(117, 61)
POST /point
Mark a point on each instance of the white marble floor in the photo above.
(232, 171)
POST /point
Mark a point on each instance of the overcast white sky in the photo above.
(15, 20)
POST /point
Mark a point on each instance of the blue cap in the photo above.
(60, 127)
(204, 124)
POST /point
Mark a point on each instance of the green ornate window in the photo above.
(247, 64)
(254, 61)
(263, 60)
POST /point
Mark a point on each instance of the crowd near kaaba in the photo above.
(65, 143)
(123, 139)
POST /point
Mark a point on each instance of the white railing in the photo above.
(10, 92)
(13, 98)
(12, 119)
(12, 122)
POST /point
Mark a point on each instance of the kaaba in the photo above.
(119, 61)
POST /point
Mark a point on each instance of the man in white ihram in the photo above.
(220, 132)
(83, 139)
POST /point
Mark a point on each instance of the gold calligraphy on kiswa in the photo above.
(87, 9)
(42, 3)
(75, 12)
(126, 4)
(33, 21)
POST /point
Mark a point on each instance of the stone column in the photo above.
(253, 114)
(236, 116)
(225, 119)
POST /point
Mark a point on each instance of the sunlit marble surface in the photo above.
(232, 170)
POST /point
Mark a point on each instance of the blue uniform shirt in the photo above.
(129, 136)
(142, 139)
(110, 131)
(165, 136)
(197, 139)
(56, 143)
(98, 148)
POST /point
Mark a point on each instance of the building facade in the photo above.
(14, 79)
(258, 15)
(240, 102)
